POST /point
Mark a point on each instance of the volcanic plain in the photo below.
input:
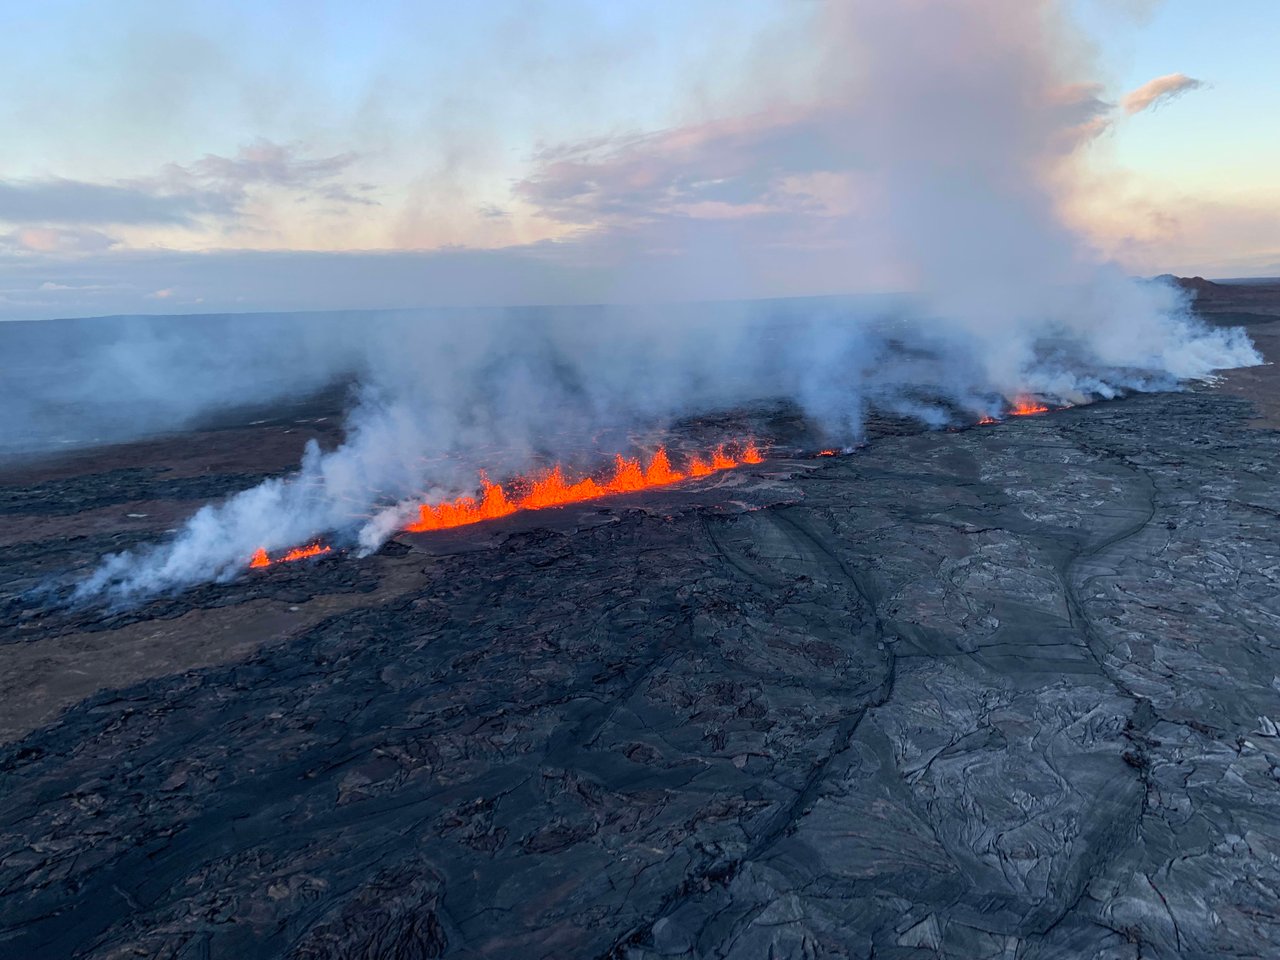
(1004, 691)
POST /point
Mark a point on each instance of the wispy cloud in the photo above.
(73, 201)
(56, 240)
(1157, 92)
(716, 170)
(179, 196)
(267, 164)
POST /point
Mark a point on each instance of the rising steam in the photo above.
(957, 121)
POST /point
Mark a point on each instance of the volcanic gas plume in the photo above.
(548, 489)
(953, 124)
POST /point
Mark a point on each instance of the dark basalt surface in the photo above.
(1004, 692)
(123, 485)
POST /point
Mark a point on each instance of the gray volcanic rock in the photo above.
(1003, 692)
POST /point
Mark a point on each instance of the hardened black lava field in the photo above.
(1006, 691)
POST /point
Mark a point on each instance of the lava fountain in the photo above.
(553, 489)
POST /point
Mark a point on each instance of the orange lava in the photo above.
(262, 559)
(301, 553)
(985, 420)
(826, 453)
(1025, 406)
(553, 489)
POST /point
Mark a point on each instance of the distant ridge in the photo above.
(1196, 285)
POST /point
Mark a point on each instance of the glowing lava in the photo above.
(1024, 406)
(550, 489)
(826, 453)
(985, 420)
(262, 559)
(553, 489)
(301, 553)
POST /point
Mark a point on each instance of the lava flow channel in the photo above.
(1023, 406)
(262, 559)
(552, 489)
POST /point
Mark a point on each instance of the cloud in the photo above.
(782, 200)
(1166, 230)
(56, 240)
(719, 169)
(803, 169)
(1084, 113)
(213, 186)
(267, 162)
(786, 197)
(77, 202)
(264, 163)
(1157, 92)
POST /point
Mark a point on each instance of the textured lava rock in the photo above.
(1003, 692)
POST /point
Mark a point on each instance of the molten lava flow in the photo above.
(262, 559)
(1023, 406)
(301, 553)
(985, 420)
(826, 453)
(552, 489)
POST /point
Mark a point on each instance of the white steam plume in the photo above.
(960, 119)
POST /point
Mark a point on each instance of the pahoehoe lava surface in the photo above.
(1003, 692)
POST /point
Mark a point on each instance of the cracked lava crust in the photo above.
(1008, 691)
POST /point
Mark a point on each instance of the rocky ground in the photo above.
(1010, 691)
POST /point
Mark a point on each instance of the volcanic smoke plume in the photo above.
(959, 121)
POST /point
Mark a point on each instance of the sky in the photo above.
(171, 157)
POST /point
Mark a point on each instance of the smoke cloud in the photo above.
(950, 125)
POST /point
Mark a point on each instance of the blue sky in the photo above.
(179, 156)
(1228, 131)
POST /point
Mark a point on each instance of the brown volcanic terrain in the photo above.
(1002, 692)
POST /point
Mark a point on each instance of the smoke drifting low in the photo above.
(72, 383)
(957, 123)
